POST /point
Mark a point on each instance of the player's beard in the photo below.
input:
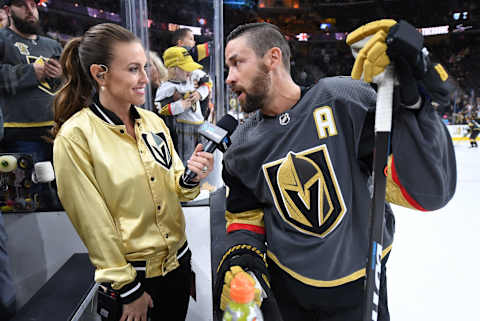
(257, 96)
(25, 27)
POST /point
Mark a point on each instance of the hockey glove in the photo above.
(238, 259)
(225, 297)
(369, 48)
(251, 260)
(378, 42)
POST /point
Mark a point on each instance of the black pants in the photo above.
(170, 293)
(300, 302)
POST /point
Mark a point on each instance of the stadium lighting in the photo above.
(303, 36)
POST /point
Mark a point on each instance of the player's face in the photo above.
(24, 15)
(126, 78)
(248, 76)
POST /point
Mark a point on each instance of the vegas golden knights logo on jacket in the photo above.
(158, 146)
(306, 191)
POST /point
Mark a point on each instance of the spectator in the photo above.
(183, 37)
(158, 72)
(7, 288)
(30, 77)
(158, 75)
(180, 97)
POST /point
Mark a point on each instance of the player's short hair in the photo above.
(262, 37)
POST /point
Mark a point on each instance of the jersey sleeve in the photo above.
(14, 78)
(421, 168)
(244, 214)
(165, 101)
(421, 171)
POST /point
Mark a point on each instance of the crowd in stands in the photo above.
(462, 61)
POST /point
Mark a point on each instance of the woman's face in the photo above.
(126, 78)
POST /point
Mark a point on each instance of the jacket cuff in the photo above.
(131, 292)
(185, 184)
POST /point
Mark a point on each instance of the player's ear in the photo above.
(273, 58)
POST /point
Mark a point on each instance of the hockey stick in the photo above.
(383, 125)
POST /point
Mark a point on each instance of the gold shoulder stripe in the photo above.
(321, 283)
(394, 193)
(253, 217)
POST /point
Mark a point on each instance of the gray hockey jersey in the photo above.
(300, 182)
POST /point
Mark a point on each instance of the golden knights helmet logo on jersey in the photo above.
(158, 146)
(50, 86)
(47, 85)
(306, 191)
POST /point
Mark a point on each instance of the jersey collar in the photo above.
(109, 116)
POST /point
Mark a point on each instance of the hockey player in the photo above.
(474, 130)
(299, 171)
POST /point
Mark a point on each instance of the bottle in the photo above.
(242, 307)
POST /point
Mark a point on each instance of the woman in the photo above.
(119, 179)
(158, 75)
(158, 72)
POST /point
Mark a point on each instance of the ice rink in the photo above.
(434, 264)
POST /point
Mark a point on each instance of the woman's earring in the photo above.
(102, 88)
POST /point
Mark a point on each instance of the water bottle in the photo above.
(242, 307)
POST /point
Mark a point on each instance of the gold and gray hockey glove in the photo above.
(246, 258)
(377, 43)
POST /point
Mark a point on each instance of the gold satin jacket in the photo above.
(123, 196)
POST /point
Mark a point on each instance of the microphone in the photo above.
(218, 136)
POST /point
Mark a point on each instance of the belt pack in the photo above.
(108, 304)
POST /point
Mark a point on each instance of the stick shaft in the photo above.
(383, 125)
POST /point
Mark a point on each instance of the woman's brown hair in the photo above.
(94, 47)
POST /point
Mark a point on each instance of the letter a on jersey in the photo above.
(306, 192)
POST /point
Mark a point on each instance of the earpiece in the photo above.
(100, 74)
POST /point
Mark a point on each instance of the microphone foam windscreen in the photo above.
(229, 123)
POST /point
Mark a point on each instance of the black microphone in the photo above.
(218, 136)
